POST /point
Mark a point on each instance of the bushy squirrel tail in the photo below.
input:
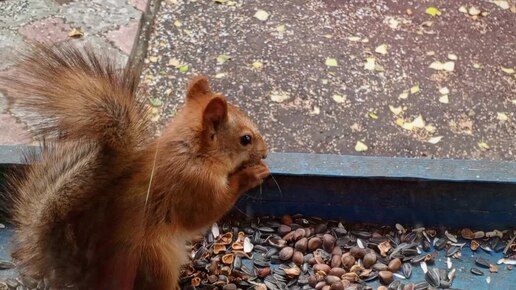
(78, 94)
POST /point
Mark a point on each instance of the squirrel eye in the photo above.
(246, 140)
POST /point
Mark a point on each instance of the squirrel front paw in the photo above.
(251, 177)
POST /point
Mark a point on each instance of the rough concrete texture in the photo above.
(108, 25)
(322, 76)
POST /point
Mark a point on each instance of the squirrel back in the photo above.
(105, 205)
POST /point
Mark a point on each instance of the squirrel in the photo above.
(105, 204)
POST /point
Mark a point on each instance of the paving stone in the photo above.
(139, 4)
(48, 30)
(124, 37)
(9, 44)
(19, 12)
(99, 15)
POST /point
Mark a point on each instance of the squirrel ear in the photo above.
(198, 87)
(216, 113)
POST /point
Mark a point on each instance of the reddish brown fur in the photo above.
(103, 208)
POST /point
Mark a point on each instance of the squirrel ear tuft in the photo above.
(216, 113)
(198, 87)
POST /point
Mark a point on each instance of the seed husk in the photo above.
(407, 270)
(394, 285)
(474, 245)
(482, 262)
(432, 277)
(476, 271)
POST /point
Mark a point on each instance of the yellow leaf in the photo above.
(449, 66)
(507, 70)
(261, 15)
(444, 99)
(370, 63)
(75, 32)
(174, 62)
(452, 56)
(407, 126)
(280, 28)
(435, 140)
(477, 65)
(433, 11)
(395, 110)
(463, 9)
(414, 89)
(178, 23)
(354, 38)
(437, 65)
(279, 97)
(257, 64)
(331, 62)
(360, 147)
(373, 116)
(502, 4)
(483, 146)
(153, 58)
(183, 68)
(418, 122)
(403, 95)
(400, 122)
(444, 91)
(339, 98)
(221, 59)
(381, 49)
(513, 102)
(502, 116)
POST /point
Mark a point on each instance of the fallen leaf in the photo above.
(220, 75)
(507, 70)
(75, 32)
(418, 122)
(403, 95)
(174, 62)
(339, 99)
(463, 9)
(393, 23)
(183, 68)
(444, 91)
(315, 111)
(473, 11)
(444, 99)
(354, 38)
(449, 66)
(452, 56)
(280, 28)
(477, 65)
(328, 36)
(360, 147)
(153, 58)
(407, 126)
(433, 11)
(261, 15)
(395, 110)
(331, 62)
(370, 63)
(279, 97)
(178, 23)
(155, 102)
(430, 128)
(483, 146)
(435, 140)
(414, 89)
(373, 116)
(221, 59)
(437, 65)
(502, 4)
(513, 102)
(400, 122)
(502, 116)
(257, 64)
(381, 49)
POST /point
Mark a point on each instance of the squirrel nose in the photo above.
(264, 156)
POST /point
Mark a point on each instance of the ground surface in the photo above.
(381, 91)
(109, 25)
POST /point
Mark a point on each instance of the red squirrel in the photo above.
(105, 205)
